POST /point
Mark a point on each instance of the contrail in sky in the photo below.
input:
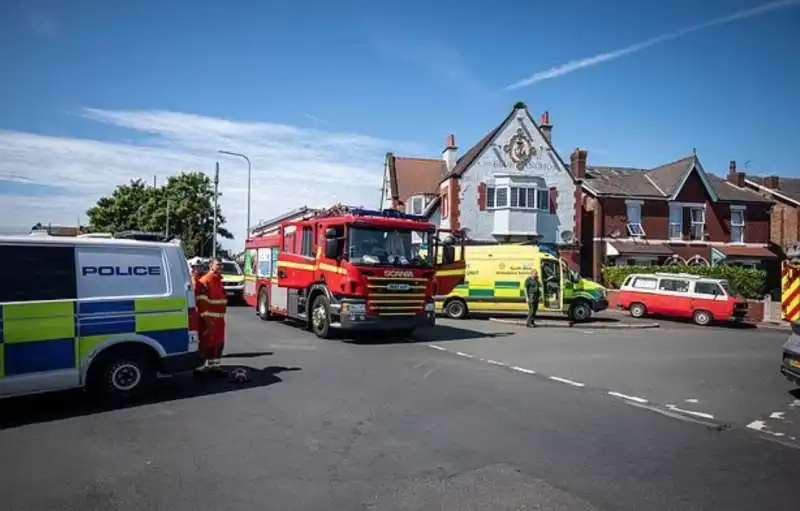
(594, 60)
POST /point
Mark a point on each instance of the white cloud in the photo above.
(292, 166)
(576, 65)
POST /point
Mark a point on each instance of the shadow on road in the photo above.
(248, 354)
(729, 325)
(435, 334)
(22, 411)
(549, 317)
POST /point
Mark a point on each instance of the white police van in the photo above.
(108, 315)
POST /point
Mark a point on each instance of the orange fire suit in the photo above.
(212, 314)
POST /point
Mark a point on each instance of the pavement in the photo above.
(385, 425)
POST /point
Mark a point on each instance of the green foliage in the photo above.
(748, 282)
(186, 201)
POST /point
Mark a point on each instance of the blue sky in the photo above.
(96, 92)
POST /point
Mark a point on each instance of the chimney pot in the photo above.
(451, 142)
(449, 153)
(732, 167)
(772, 182)
(546, 128)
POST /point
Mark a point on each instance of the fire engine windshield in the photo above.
(390, 247)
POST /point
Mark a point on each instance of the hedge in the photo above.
(749, 283)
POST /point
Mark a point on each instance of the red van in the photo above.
(681, 295)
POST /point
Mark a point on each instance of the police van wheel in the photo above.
(122, 374)
(320, 317)
(455, 309)
(262, 310)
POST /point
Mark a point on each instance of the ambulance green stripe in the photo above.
(507, 284)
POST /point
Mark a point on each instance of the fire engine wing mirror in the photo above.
(332, 248)
(448, 250)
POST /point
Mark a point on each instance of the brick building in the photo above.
(673, 214)
(510, 187)
(785, 192)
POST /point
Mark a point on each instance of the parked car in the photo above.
(681, 295)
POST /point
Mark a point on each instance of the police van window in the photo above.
(121, 272)
(39, 273)
(307, 248)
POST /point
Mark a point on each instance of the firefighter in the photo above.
(214, 314)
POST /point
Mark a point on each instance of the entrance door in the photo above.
(552, 285)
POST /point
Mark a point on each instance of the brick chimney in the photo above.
(449, 153)
(546, 128)
(773, 182)
(578, 163)
(735, 177)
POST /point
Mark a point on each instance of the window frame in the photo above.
(511, 194)
(721, 291)
(635, 229)
(644, 278)
(693, 223)
(742, 212)
(675, 221)
(416, 199)
(662, 280)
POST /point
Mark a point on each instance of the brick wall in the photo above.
(784, 225)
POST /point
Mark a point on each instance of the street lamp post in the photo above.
(249, 177)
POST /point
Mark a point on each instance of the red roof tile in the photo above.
(415, 176)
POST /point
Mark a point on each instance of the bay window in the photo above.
(517, 197)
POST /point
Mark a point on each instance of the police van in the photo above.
(108, 315)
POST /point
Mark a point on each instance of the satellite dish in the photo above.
(568, 237)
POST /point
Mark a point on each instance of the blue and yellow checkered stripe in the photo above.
(50, 336)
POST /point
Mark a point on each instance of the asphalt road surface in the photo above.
(381, 425)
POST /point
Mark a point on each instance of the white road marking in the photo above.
(690, 412)
(523, 370)
(795, 403)
(629, 398)
(691, 400)
(495, 362)
(462, 354)
(568, 382)
(437, 347)
(777, 415)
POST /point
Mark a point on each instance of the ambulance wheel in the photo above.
(702, 318)
(321, 317)
(580, 311)
(638, 310)
(123, 373)
(262, 308)
(456, 309)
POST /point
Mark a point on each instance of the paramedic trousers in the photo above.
(533, 305)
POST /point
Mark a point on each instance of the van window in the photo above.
(674, 285)
(307, 248)
(38, 272)
(708, 288)
(105, 272)
(644, 283)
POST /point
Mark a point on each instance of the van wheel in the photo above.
(456, 309)
(638, 310)
(580, 311)
(122, 373)
(702, 318)
(262, 308)
(320, 317)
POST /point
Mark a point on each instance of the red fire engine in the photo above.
(352, 269)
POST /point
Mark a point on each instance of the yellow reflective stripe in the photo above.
(87, 344)
(221, 301)
(30, 322)
(212, 315)
(161, 321)
(160, 304)
(450, 273)
(298, 266)
(201, 297)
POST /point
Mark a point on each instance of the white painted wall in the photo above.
(544, 168)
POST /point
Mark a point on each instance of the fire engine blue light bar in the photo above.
(387, 213)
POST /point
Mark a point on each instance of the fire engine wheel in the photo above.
(455, 309)
(702, 318)
(263, 305)
(320, 317)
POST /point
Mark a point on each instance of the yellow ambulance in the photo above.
(495, 277)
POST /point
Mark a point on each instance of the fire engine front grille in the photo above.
(390, 296)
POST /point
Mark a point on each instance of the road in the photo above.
(387, 426)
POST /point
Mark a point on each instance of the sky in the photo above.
(94, 93)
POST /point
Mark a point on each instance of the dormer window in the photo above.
(416, 204)
(634, 223)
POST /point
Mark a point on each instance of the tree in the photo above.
(186, 202)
